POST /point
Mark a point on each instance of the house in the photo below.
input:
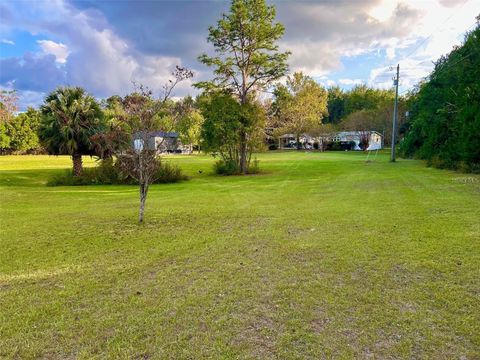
(162, 141)
(375, 139)
(289, 141)
(351, 140)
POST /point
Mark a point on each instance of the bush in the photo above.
(108, 173)
(340, 145)
(223, 167)
(228, 167)
(273, 147)
(169, 173)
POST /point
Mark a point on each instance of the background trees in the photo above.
(8, 107)
(301, 105)
(22, 130)
(189, 126)
(70, 117)
(335, 105)
(444, 111)
(247, 60)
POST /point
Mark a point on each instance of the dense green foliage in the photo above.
(225, 122)
(18, 132)
(309, 260)
(70, 117)
(22, 130)
(361, 97)
(189, 125)
(445, 110)
(335, 105)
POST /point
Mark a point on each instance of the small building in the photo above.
(163, 142)
(289, 141)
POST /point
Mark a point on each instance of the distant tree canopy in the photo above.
(22, 130)
(342, 103)
(8, 107)
(18, 131)
(189, 126)
(300, 105)
(444, 111)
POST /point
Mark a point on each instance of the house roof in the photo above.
(355, 133)
(164, 134)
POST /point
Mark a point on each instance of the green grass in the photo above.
(321, 256)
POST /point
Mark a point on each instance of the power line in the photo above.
(446, 67)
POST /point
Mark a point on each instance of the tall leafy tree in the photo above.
(302, 104)
(246, 60)
(70, 117)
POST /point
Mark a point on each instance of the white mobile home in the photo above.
(375, 139)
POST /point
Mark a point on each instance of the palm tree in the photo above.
(70, 117)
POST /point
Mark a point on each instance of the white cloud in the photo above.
(383, 10)
(439, 29)
(330, 83)
(390, 52)
(319, 34)
(6, 41)
(59, 50)
(351, 81)
(97, 58)
(411, 72)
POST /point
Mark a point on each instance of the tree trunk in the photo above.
(243, 154)
(143, 199)
(77, 164)
(298, 142)
(243, 135)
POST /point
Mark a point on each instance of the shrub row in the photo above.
(108, 173)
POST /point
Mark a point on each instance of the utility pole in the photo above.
(395, 110)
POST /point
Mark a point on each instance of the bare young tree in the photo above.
(143, 114)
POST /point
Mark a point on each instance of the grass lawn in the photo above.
(321, 256)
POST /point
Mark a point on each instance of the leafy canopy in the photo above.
(301, 104)
(247, 56)
(70, 117)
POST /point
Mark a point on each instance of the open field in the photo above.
(321, 256)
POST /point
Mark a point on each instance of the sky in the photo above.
(104, 46)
